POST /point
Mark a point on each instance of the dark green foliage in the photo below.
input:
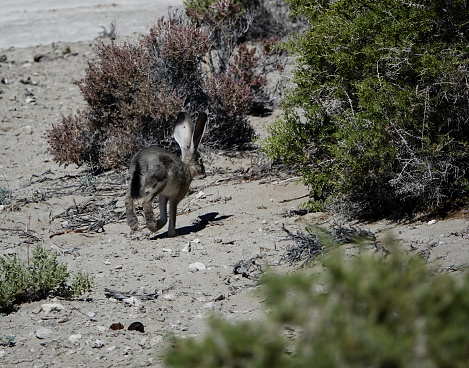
(242, 345)
(364, 311)
(5, 196)
(378, 115)
(21, 282)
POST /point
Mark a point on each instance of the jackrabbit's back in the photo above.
(153, 165)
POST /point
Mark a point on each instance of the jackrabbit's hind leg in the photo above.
(148, 208)
(130, 213)
(172, 218)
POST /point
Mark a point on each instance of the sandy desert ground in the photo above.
(173, 284)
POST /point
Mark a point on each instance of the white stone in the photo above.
(197, 266)
(132, 301)
(42, 333)
(95, 343)
(52, 307)
(74, 338)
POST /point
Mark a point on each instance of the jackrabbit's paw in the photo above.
(133, 225)
(173, 233)
(151, 225)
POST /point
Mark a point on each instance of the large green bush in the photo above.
(378, 117)
(363, 312)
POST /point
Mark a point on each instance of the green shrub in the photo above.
(20, 282)
(377, 119)
(364, 311)
(5, 196)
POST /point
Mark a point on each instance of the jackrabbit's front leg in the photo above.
(172, 218)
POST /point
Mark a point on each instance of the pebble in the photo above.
(74, 338)
(197, 266)
(42, 333)
(132, 301)
(52, 307)
(95, 343)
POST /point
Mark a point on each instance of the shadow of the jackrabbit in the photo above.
(200, 224)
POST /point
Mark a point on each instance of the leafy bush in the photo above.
(366, 311)
(134, 91)
(5, 195)
(377, 120)
(20, 282)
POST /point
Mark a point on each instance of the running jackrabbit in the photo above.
(165, 175)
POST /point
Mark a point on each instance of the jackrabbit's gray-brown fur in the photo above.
(165, 175)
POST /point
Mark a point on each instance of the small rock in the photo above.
(117, 326)
(209, 305)
(74, 338)
(219, 298)
(95, 343)
(38, 57)
(197, 266)
(431, 222)
(31, 100)
(91, 314)
(52, 307)
(43, 333)
(201, 195)
(187, 248)
(132, 301)
(136, 326)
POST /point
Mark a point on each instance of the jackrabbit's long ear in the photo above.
(183, 132)
(199, 129)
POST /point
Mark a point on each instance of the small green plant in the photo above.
(20, 282)
(365, 311)
(5, 196)
(7, 341)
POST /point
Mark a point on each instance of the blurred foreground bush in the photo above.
(366, 311)
(134, 91)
